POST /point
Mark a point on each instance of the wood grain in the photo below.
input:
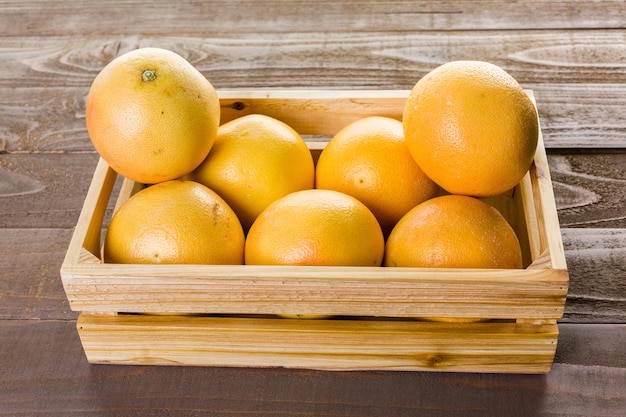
(54, 119)
(589, 252)
(597, 265)
(35, 381)
(590, 190)
(318, 344)
(48, 190)
(31, 286)
(387, 60)
(570, 53)
(44, 190)
(46, 112)
(223, 16)
(582, 116)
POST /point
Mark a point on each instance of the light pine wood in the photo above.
(533, 293)
(318, 344)
(550, 244)
(318, 112)
(92, 213)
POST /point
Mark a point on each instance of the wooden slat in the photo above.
(385, 60)
(590, 190)
(313, 112)
(56, 200)
(93, 213)
(30, 285)
(582, 116)
(44, 190)
(597, 264)
(318, 344)
(574, 345)
(536, 294)
(48, 190)
(360, 16)
(546, 211)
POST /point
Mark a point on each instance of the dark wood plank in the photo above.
(581, 116)
(48, 190)
(41, 196)
(44, 190)
(590, 189)
(591, 345)
(45, 119)
(44, 372)
(202, 18)
(597, 265)
(31, 287)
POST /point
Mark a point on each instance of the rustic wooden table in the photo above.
(572, 54)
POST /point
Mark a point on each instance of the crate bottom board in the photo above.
(341, 345)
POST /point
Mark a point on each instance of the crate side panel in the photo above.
(397, 292)
(87, 233)
(313, 112)
(546, 209)
(513, 207)
(318, 344)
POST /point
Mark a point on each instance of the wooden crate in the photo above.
(228, 315)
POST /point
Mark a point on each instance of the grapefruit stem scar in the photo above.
(148, 75)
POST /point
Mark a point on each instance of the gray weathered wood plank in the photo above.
(326, 59)
(208, 18)
(597, 264)
(48, 189)
(44, 190)
(590, 189)
(30, 283)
